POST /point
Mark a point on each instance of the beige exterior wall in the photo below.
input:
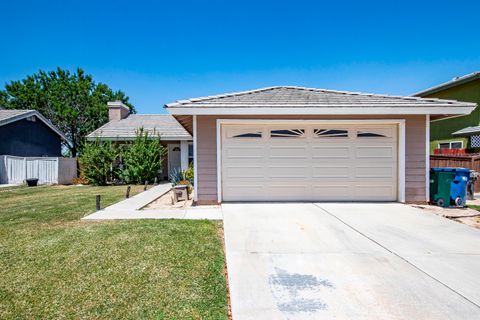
(415, 184)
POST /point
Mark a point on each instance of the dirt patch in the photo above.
(166, 202)
(465, 215)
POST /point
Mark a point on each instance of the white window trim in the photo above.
(450, 143)
(401, 143)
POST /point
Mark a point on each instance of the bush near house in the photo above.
(105, 162)
(142, 158)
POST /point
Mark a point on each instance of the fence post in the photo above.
(127, 195)
(145, 187)
(97, 202)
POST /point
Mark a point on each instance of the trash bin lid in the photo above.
(446, 169)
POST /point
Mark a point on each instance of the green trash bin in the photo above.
(440, 183)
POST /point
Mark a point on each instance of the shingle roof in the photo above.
(164, 126)
(8, 115)
(291, 97)
(12, 115)
(449, 84)
(468, 131)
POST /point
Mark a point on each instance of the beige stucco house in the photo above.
(300, 144)
(122, 126)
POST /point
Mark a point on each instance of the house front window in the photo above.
(451, 145)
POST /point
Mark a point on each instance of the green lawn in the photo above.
(54, 266)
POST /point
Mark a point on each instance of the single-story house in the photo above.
(300, 144)
(459, 132)
(123, 126)
(26, 133)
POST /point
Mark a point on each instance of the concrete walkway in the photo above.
(131, 208)
(349, 261)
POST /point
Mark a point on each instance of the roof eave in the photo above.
(119, 138)
(447, 85)
(466, 108)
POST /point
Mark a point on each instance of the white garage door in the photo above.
(309, 162)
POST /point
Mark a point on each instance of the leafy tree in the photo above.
(98, 162)
(142, 158)
(75, 103)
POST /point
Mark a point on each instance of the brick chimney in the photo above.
(117, 110)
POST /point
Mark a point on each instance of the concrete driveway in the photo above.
(349, 261)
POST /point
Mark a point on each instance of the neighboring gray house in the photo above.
(26, 133)
(123, 126)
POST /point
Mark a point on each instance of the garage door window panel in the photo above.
(236, 133)
(287, 133)
(330, 133)
(374, 133)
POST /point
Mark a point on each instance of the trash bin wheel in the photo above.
(440, 202)
(459, 202)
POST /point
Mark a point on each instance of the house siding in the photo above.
(25, 138)
(415, 153)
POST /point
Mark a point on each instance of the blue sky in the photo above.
(158, 52)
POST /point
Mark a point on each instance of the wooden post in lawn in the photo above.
(145, 187)
(97, 202)
(155, 181)
(127, 195)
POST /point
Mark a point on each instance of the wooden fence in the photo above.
(469, 160)
(47, 170)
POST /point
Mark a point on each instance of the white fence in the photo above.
(15, 170)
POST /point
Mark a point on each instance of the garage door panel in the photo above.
(328, 192)
(276, 171)
(373, 172)
(244, 171)
(244, 152)
(310, 164)
(374, 152)
(329, 171)
(287, 152)
(381, 191)
(330, 152)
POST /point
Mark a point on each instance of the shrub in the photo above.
(142, 158)
(97, 162)
(182, 176)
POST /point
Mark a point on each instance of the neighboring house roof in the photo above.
(9, 116)
(449, 84)
(282, 99)
(164, 126)
(468, 131)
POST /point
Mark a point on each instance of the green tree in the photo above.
(75, 103)
(142, 158)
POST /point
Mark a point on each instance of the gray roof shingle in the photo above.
(449, 84)
(12, 115)
(291, 97)
(165, 126)
(468, 131)
(9, 115)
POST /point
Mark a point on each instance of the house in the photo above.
(299, 144)
(457, 132)
(123, 126)
(26, 133)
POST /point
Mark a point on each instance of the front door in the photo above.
(173, 157)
